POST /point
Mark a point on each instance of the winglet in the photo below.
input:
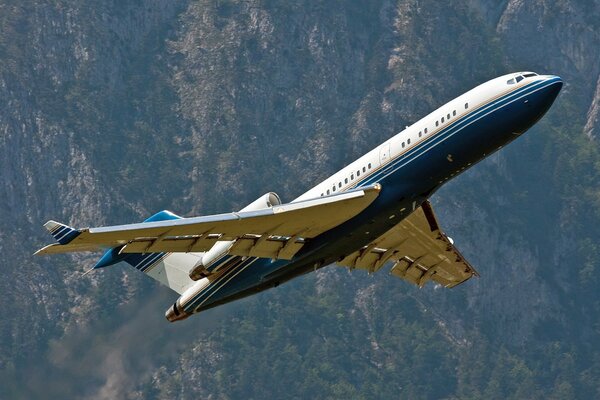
(62, 233)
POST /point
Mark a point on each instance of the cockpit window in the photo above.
(529, 74)
(519, 78)
(511, 81)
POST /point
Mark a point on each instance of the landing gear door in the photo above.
(384, 153)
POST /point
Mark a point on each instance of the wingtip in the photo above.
(51, 225)
(62, 233)
(42, 251)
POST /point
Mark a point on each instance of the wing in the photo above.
(276, 232)
(421, 252)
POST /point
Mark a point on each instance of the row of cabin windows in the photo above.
(437, 123)
(447, 117)
(404, 144)
(339, 185)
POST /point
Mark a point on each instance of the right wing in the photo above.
(276, 232)
(420, 250)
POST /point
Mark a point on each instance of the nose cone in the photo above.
(555, 84)
(550, 88)
(537, 101)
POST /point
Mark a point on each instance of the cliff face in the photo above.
(568, 31)
(109, 112)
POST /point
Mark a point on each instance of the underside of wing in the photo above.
(419, 249)
(275, 232)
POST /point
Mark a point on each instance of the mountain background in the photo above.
(113, 110)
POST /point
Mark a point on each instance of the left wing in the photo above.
(421, 252)
(277, 232)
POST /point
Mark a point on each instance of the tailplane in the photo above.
(170, 269)
(138, 261)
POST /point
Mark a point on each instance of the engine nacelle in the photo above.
(210, 259)
(265, 201)
(177, 311)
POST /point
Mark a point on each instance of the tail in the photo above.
(170, 269)
(114, 255)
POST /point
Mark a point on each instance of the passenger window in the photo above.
(328, 192)
(408, 141)
(448, 116)
(425, 131)
(364, 169)
(352, 177)
(454, 113)
(358, 173)
(321, 194)
(442, 120)
(437, 123)
(403, 144)
(340, 184)
(346, 180)
(419, 133)
(466, 105)
(333, 189)
(369, 165)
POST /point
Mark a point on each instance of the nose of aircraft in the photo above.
(544, 96)
(539, 100)
(555, 84)
(550, 89)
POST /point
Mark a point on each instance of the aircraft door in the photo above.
(384, 153)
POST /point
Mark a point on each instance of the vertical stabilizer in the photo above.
(170, 269)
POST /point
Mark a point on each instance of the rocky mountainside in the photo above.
(110, 111)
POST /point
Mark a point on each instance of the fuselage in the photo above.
(410, 167)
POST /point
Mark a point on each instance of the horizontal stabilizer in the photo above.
(113, 255)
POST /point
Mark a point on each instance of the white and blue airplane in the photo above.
(372, 212)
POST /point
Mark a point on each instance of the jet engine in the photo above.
(177, 312)
(210, 261)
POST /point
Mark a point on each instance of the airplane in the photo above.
(373, 212)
